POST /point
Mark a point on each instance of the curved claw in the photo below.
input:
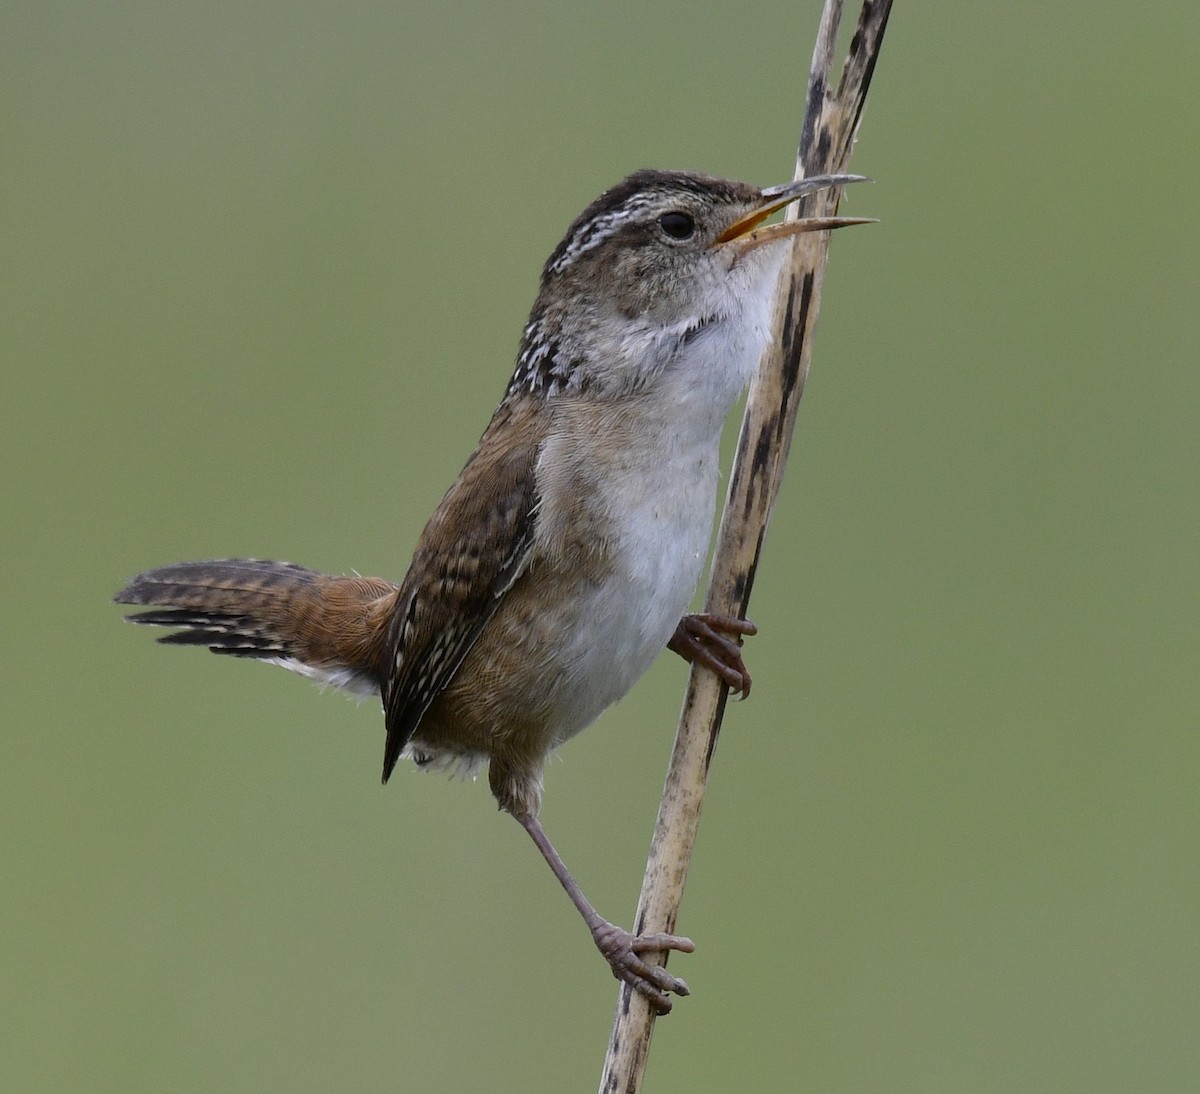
(622, 951)
(701, 639)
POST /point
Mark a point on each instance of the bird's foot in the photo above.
(704, 640)
(623, 952)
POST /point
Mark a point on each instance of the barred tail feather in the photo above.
(235, 606)
(328, 628)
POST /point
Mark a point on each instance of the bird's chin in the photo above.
(756, 269)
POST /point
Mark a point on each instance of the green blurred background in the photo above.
(264, 268)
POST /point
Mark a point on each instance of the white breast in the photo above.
(648, 478)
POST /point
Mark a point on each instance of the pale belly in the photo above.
(621, 624)
(600, 601)
(626, 494)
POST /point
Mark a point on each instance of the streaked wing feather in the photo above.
(476, 544)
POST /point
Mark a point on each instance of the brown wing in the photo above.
(476, 544)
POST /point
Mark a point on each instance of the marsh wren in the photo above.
(563, 557)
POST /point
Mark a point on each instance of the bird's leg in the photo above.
(623, 951)
(703, 640)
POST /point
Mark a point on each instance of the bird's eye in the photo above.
(677, 225)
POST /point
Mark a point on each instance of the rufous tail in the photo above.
(329, 628)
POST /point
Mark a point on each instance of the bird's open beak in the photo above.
(747, 233)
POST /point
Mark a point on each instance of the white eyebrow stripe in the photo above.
(591, 233)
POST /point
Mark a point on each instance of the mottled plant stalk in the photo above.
(830, 123)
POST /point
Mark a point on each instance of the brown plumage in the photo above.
(273, 611)
(561, 560)
(475, 548)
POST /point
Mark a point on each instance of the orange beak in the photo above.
(775, 198)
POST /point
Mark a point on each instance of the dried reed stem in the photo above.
(830, 123)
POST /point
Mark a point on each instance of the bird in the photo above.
(562, 559)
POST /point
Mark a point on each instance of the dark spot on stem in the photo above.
(795, 349)
(715, 732)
